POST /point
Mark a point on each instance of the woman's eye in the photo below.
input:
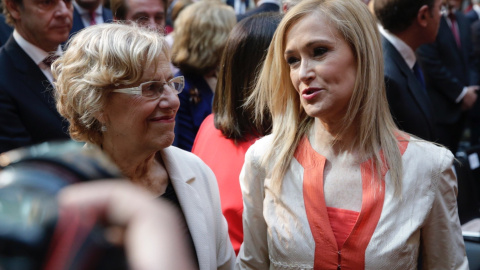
(292, 60)
(319, 51)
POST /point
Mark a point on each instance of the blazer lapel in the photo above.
(413, 85)
(30, 74)
(107, 15)
(191, 204)
(444, 26)
(77, 24)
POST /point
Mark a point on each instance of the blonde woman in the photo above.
(337, 185)
(201, 32)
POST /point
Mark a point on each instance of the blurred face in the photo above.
(150, 13)
(322, 67)
(44, 23)
(137, 120)
(88, 4)
(453, 4)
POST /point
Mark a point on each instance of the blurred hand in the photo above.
(154, 238)
(470, 97)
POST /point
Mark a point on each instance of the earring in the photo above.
(103, 128)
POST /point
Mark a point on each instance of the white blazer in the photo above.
(277, 234)
(197, 191)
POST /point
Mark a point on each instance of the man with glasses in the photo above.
(27, 108)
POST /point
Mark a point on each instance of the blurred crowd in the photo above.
(232, 110)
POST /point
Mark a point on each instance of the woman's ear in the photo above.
(101, 117)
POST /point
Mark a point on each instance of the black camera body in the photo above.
(30, 178)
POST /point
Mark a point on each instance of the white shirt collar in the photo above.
(268, 1)
(31, 50)
(405, 51)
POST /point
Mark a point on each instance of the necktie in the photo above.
(453, 20)
(419, 74)
(92, 18)
(50, 59)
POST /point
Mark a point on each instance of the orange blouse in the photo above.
(342, 222)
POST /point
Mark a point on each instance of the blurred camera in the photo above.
(33, 233)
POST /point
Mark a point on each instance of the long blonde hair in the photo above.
(201, 31)
(368, 110)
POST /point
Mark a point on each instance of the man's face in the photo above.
(453, 4)
(149, 13)
(44, 23)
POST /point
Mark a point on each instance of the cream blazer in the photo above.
(278, 235)
(197, 191)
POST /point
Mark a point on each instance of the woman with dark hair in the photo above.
(225, 135)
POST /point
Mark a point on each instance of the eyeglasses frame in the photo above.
(137, 90)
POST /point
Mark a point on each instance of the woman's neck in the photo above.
(332, 138)
(145, 168)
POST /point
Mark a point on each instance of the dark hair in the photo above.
(241, 61)
(397, 15)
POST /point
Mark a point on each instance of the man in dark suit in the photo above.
(451, 75)
(27, 108)
(405, 25)
(5, 30)
(472, 15)
(262, 6)
(89, 12)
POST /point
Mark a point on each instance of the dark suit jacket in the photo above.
(77, 19)
(471, 16)
(5, 30)
(448, 69)
(195, 106)
(409, 103)
(475, 27)
(27, 107)
(265, 7)
(232, 3)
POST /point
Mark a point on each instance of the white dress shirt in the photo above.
(36, 54)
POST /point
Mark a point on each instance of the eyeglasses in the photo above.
(154, 89)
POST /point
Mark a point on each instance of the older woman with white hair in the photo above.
(115, 87)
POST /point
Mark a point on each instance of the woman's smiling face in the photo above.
(139, 120)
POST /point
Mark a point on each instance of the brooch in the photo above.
(194, 96)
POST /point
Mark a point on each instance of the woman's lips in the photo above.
(311, 92)
(164, 119)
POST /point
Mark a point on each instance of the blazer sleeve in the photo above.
(442, 241)
(13, 133)
(254, 250)
(445, 81)
(224, 253)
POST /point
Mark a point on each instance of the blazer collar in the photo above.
(191, 202)
(413, 84)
